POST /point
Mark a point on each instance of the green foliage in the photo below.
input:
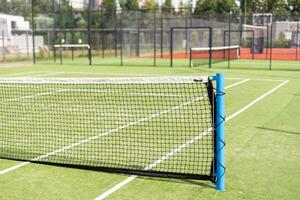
(294, 7)
(150, 5)
(280, 7)
(167, 7)
(15, 7)
(184, 9)
(109, 4)
(282, 42)
(246, 42)
(108, 19)
(205, 7)
(129, 4)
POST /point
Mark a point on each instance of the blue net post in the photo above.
(220, 139)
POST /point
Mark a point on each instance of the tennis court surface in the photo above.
(262, 132)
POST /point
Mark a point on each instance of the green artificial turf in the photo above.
(262, 143)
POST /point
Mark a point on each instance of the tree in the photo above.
(206, 7)
(265, 6)
(294, 7)
(167, 7)
(109, 11)
(129, 4)
(150, 5)
(184, 8)
(109, 4)
(15, 7)
(4, 6)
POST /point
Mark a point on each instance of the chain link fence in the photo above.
(143, 38)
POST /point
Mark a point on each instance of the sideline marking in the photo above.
(181, 147)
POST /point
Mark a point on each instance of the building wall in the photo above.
(286, 27)
(21, 42)
(12, 22)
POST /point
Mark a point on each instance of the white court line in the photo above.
(181, 147)
(14, 167)
(116, 129)
(32, 74)
(237, 83)
(46, 74)
(97, 73)
(32, 96)
(254, 79)
(256, 100)
(20, 73)
(130, 93)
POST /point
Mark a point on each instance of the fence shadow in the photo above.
(279, 131)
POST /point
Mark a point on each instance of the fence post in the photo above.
(72, 32)
(27, 45)
(54, 31)
(121, 37)
(161, 35)
(48, 43)
(186, 36)
(170, 38)
(60, 49)
(210, 46)
(171, 47)
(229, 35)
(267, 43)
(297, 39)
(3, 47)
(252, 44)
(154, 38)
(102, 31)
(90, 31)
(116, 33)
(33, 40)
(137, 34)
(271, 46)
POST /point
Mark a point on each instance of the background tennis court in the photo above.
(262, 140)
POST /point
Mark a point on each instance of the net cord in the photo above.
(128, 80)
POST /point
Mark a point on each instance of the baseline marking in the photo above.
(181, 147)
(46, 74)
(20, 73)
(32, 74)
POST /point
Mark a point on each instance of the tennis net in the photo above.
(204, 55)
(160, 126)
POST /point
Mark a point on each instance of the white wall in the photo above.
(7, 20)
(287, 27)
(23, 43)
